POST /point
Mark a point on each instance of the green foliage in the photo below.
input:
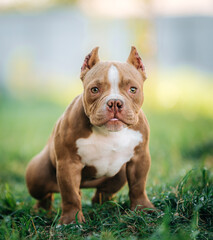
(183, 213)
(184, 199)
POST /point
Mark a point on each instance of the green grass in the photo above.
(180, 180)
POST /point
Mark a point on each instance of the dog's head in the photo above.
(113, 91)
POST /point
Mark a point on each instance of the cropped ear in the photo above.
(89, 61)
(136, 61)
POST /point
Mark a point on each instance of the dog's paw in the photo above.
(146, 206)
(74, 216)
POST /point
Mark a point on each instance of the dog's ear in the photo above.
(90, 60)
(136, 61)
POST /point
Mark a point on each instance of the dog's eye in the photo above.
(94, 90)
(133, 90)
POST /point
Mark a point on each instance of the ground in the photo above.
(179, 184)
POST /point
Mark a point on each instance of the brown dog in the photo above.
(101, 140)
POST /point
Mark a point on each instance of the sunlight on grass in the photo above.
(185, 91)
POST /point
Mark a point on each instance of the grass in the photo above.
(179, 185)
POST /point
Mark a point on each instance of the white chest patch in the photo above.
(108, 151)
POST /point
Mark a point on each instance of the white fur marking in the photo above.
(108, 151)
(113, 76)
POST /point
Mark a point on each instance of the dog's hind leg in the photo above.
(110, 186)
(41, 179)
(45, 203)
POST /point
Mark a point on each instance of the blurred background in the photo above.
(42, 47)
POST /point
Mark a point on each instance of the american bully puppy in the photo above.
(100, 141)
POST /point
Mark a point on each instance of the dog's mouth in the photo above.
(113, 120)
(114, 124)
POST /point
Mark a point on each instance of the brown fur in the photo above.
(58, 168)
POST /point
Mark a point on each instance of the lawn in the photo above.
(179, 184)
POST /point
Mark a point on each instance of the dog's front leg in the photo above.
(137, 170)
(69, 179)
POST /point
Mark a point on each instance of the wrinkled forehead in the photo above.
(113, 73)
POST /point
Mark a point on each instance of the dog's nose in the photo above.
(115, 104)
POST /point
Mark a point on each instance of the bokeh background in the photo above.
(42, 47)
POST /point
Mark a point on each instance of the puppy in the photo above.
(101, 141)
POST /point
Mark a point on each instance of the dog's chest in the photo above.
(107, 152)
